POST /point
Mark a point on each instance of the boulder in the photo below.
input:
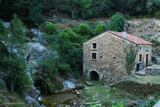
(37, 51)
(32, 102)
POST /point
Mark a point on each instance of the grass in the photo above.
(146, 79)
(107, 96)
(8, 99)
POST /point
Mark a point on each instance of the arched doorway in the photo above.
(94, 76)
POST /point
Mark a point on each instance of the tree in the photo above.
(130, 59)
(82, 8)
(117, 22)
(3, 32)
(50, 28)
(152, 6)
(18, 31)
(84, 29)
(11, 63)
(100, 27)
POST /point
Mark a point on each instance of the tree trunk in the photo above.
(72, 7)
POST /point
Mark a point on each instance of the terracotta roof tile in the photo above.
(131, 38)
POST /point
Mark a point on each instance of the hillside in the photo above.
(148, 29)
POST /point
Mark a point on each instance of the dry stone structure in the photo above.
(104, 56)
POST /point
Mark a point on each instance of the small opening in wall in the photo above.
(94, 45)
(114, 57)
(94, 76)
(94, 56)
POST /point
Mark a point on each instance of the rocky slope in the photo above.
(148, 29)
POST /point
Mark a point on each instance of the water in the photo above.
(68, 84)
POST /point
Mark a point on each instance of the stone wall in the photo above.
(110, 64)
(111, 57)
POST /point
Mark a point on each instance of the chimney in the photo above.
(124, 35)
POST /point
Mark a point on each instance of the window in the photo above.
(94, 45)
(140, 57)
(94, 56)
(140, 48)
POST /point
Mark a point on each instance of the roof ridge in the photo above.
(132, 38)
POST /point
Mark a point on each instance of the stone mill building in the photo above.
(104, 56)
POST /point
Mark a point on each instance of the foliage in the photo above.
(155, 42)
(50, 71)
(118, 104)
(50, 28)
(13, 64)
(3, 32)
(117, 22)
(70, 36)
(33, 10)
(18, 31)
(64, 69)
(84, 29)
(157, 15)
(15, 67)
(100, 27)
(153, 6)
(130, 59)
(82, 8)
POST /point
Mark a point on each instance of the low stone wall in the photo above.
(152, 71)
(138, 89)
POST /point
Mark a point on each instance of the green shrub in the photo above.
(117, 22)
(70, 35)
(64, 68)
(157, 15)
(100, 27)
(155, 42)
(50, 28)
(118, 104)
(18, 31)
(3, 32)
(84, 29)
(130, 59)
(50, 72)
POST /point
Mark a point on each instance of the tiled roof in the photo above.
(131, 38)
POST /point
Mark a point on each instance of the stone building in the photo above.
(104, 56)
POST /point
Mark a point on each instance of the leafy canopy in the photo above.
(117, 22)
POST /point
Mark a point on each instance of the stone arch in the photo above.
(94, 75)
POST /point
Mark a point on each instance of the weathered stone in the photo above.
(110, 64)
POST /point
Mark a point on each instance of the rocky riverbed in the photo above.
(98, 95)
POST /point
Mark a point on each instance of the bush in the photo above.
(64, 69)
(84, 29)
(18, 31)
(70, 35)
(3, 32)
(130, 59)
(117, 22)
(100, 27)
(50, 72)
(50, 28)
(156, 42)
(157, 15)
